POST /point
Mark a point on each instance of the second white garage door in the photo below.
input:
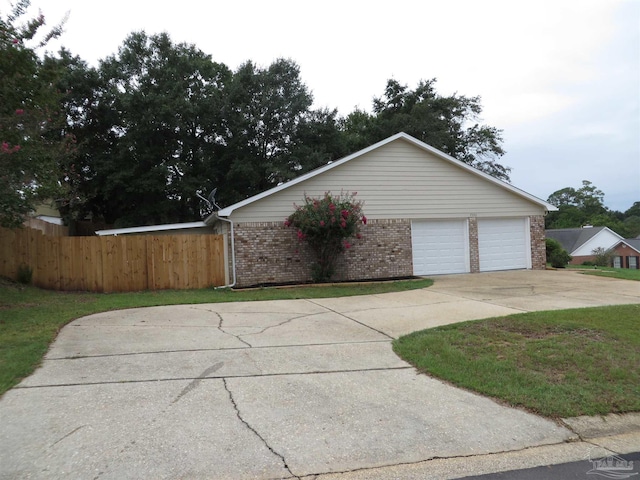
(440, 246)
(503, 244)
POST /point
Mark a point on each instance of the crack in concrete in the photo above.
(283, 323)
(311, 476)
(67, 435)
(590, 441)
(471, 299)
(220, 326)
(255, 432)
(195, 382)
(260, 312)
(237, 337)
(352, 319)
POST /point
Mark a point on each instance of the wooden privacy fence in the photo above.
(114, 264)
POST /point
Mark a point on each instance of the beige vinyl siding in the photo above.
(398, 180)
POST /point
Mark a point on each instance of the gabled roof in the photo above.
(225, 212)
(151, 228)
(573, 238)
(633, 243)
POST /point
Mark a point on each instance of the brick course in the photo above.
(269, 252)
(474, 249)
(538, 246)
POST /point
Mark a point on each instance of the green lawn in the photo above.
(559, 363)
(30, 317)
(621, 273)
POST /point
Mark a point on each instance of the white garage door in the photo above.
(440, 246)
(503, 244)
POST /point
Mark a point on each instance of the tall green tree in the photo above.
(320, 140)
(265, 108)
(164, 138)
(585, 206)
(448, 123)
(576, 207)
(30, 120)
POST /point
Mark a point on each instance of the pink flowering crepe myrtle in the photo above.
(329, 225)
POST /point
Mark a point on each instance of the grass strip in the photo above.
(557, 363)
(620, 273)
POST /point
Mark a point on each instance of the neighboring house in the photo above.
(47, 219)
(581, 242)
(626, 253)
(428, 214)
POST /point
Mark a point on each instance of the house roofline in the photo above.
(227, 211)
(615, 245)
(151, 228)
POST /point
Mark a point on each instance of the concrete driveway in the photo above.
(280, 389)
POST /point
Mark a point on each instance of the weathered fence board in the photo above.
(114, 264)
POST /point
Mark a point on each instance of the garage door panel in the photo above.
(439, 247)
(503, 244)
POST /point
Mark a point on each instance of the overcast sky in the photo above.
(561, 78)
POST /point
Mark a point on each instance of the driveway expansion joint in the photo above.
(255, 432)
(209, 377)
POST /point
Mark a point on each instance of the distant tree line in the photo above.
(131, 141)
(585, 206)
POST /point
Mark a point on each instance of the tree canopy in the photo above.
(30, 121)
(449, 124)
(158, 124)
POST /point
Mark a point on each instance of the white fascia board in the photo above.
(151, 228)
(50, 219)
(225, 212)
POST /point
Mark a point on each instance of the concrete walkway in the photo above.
(291, 388)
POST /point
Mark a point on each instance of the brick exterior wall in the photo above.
(271, 253)
(538, 247)
(474, 249)
(582, 258)
(626, 252)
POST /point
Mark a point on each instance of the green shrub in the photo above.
(25, 274)
(328, 225)
(603, 258)
(556, 255)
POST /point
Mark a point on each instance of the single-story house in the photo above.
(428, 214)
(626, 253)
(581, 242)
